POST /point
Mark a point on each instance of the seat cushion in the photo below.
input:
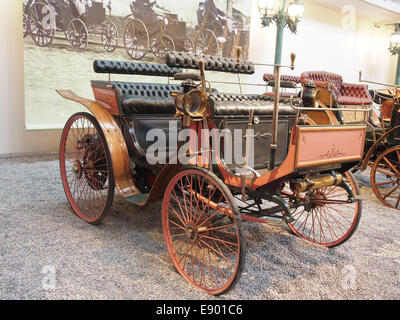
(231, 105)
(146, 98)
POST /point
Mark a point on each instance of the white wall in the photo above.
(13, 136)
(324, 41)
(321, 44)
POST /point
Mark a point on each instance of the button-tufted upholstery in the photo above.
(231, 105)
(345, 93)
(147, 69)
(191, 61)
(143, 98)
(271, 77)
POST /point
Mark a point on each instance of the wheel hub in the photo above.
(77, 169)
(191, 233)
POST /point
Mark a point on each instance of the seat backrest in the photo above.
(146, 69)
(175, 59)
(324, 76)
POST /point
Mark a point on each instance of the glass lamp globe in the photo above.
(296, 10)
(395, 40)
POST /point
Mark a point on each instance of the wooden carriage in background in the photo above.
(341, 101)
(43, 18)
(154, 27)
(299, 178)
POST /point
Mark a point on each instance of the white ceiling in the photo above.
(378, 11)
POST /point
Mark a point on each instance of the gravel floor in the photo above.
(126, 258)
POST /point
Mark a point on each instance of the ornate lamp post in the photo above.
(271, 12)
(395, 49)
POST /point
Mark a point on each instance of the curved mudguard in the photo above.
(115, 142)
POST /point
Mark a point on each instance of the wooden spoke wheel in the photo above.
(77, 34)
(325, 216)
(109, 36)
(188, 45)
(86, 169)
(207, 43)
(136, 39)
(202, 230)
(385, 177)
(162, 46)
(25, 24)
(39, 25)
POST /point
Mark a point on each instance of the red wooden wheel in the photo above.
(202, 230)
(86, 169)
(325, 217)
(385, 177)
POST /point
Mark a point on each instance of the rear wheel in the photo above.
(77, 34)
(202, 230)
(109, 36)
(385, 177)
(326, 216)
(136, 39)
(86, 169)
(162, 46)
(207, 43)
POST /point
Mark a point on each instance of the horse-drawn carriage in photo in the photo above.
(382, 143)
(218, 33)
(76, 18)
(298, 176)
(152, 26)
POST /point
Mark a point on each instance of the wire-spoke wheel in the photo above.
(188, 45)
(327, 216)
(385, 177)
(77, 34)
(202, 230)
(136, 39)
(109, 36)
(207, 43)
(162, 46)
(86, 168)
(40, 23)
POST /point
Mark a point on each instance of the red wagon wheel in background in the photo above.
(41, 23)
(385, 177)
(325, 216)
(202, 230)
(207, 43)
(136, 39)
(86, 169)
(77, 34)
(162, 45)
(109, 36)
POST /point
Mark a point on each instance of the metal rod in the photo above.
(274, 138)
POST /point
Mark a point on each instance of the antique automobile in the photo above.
(297, 178)
(382, 150)
(150, 25)
(76, 18)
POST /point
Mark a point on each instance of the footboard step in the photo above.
(360, 197)
(138, 199)
(274, 222)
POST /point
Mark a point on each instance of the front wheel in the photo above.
(326, 216)
(109, 36)
(202, 230)
(385, 177)
(77, 34)
(86, 168)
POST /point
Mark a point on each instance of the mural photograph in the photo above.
(63, 37)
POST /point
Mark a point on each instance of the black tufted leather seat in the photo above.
(231, 105)
(143, 98)
(212, 63)
(146, 69)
